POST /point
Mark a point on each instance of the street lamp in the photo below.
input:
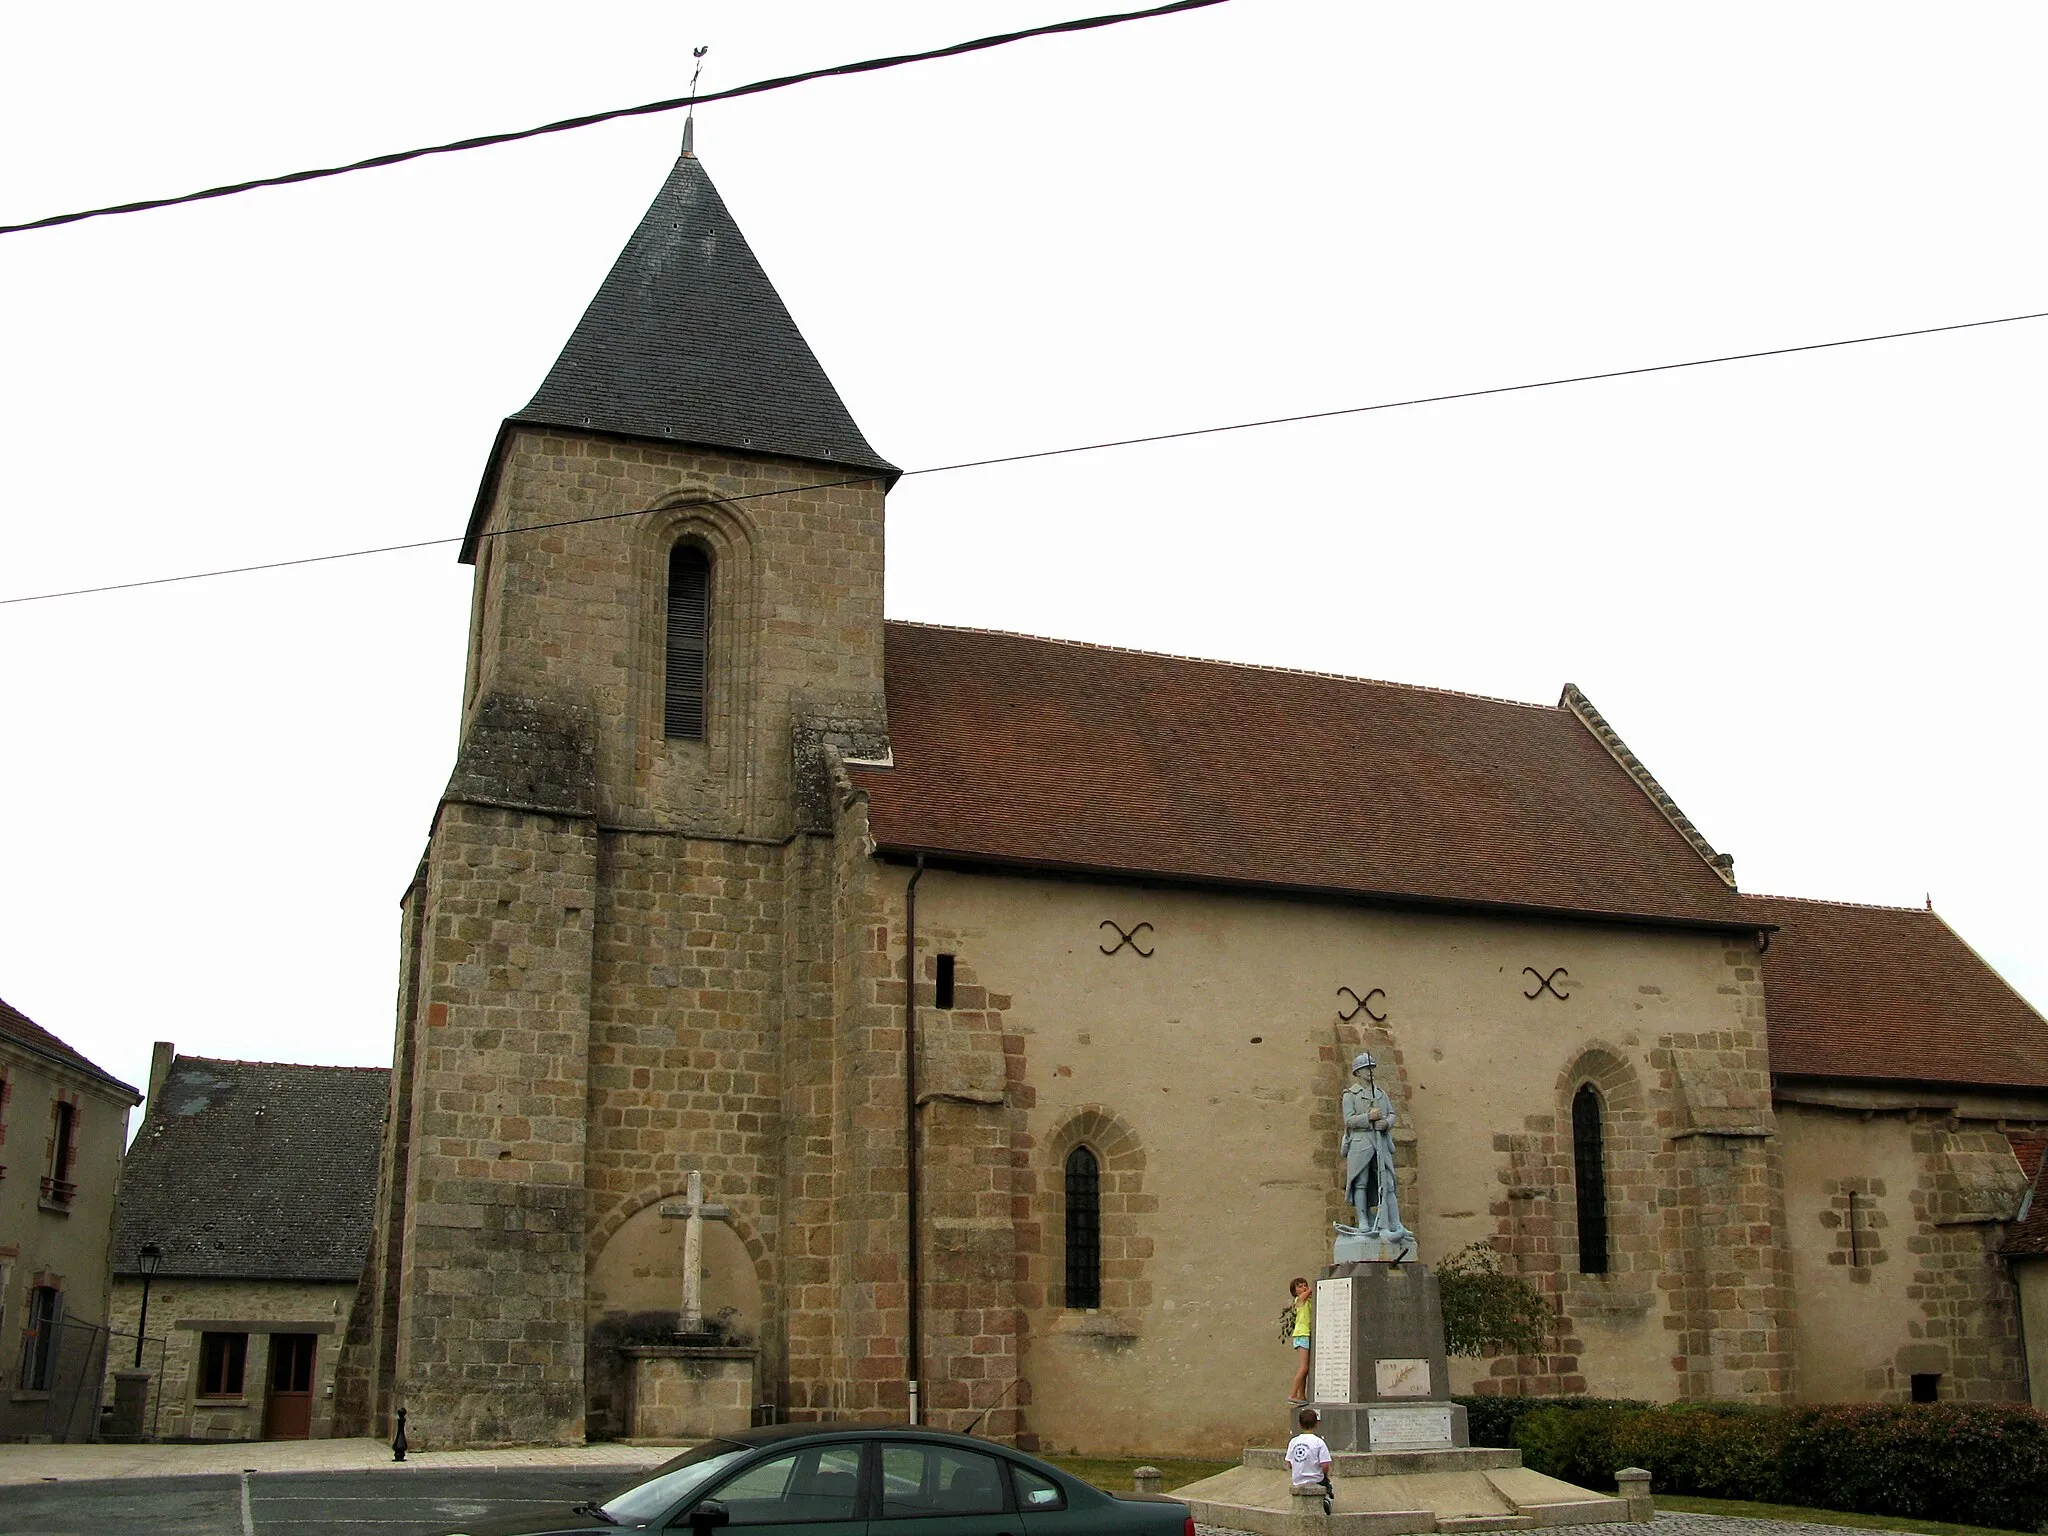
(147, 1259)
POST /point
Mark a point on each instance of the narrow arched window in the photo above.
(689, 622)
(1084, 1229)
(1590, 1171)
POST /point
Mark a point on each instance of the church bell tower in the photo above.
(677, 618)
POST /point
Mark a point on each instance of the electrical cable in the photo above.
(675, 103)
(1053, 453)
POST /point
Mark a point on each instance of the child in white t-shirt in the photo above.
(1308, 1458)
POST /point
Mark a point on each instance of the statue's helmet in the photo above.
(1362, 1062)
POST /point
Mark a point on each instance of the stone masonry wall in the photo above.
(576, 615)
(491, 1325)
(582, 964)
(968, 1078)
(1695, 1209)
(684, 1074)
(1969, 1185)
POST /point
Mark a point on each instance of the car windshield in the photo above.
(672, 1482)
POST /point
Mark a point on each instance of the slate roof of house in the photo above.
(255, 1170)
(19, 1029)
(688, 342)
(1891, 994)
(1012, 749)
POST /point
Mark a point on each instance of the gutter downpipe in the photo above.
(913, 1354)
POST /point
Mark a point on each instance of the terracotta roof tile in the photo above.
(25, 1031)
(2029, 1232)
(1039, 752)
(1891, 993)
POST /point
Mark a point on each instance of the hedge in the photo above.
(1493, 1419)
(1975, 1463)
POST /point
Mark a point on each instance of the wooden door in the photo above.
(288, 1409)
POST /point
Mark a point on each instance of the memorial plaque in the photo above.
(1332, 1383)
(1408, 1429)
(1401, 1378)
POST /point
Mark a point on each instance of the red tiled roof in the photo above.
(1039, 752)
(23, 1030)
(1891, 993)
(2029, 1235)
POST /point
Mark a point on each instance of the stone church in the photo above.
(711, 813)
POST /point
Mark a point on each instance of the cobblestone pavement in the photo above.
(1668, 1525)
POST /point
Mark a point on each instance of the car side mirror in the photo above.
(709, 1516)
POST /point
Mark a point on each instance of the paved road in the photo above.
(385, 1503)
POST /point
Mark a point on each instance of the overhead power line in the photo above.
(590, 119)
(1053, 453)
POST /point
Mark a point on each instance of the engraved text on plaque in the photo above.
(1401, 1378)
(1333, 1341)
(1400, 1429)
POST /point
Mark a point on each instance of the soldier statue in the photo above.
(1368, 1147)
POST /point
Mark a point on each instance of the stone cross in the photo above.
(693, 1212)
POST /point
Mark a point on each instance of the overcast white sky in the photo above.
(1806, 590)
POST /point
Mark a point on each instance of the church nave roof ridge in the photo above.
(1222, 661)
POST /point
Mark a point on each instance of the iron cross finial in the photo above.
(690, 116)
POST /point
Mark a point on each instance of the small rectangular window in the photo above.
(1927, 1389)
(57, 1185)
(39, 1338)
(945, 987)
(221, 1359)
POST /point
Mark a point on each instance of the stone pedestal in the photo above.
(1398, 1493)
(131, 1402)
(689, 1391)
(1377, 1369)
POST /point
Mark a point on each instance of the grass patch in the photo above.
(1112, 1474)
(1747, 1511)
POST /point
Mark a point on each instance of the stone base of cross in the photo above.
(693, 1213)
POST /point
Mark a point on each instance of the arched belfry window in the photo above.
(1589, 1170)
(689, 624)
(1084, 1229)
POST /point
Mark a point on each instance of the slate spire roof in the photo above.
(688, 342)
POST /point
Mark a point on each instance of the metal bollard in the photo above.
(398, 1440)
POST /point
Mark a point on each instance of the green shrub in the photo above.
(1712, 1450)
(1487, 1310)
(1975, 1463)
(1972, 1463)
(1576, 1444)
(1493, 1419)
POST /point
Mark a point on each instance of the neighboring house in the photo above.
(62, 1125)
(256, 1180)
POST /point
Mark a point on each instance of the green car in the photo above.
(857, 1480)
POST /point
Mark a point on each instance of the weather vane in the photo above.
(690, 116)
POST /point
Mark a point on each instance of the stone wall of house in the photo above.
(183, 1310)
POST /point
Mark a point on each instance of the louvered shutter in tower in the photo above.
(689, 604)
